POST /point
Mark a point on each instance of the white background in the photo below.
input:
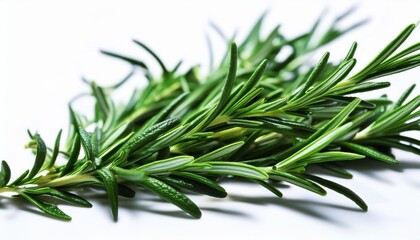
(46, 46)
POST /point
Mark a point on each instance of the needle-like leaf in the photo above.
(55, 150)
(41, 153)
(235, 169)
(48, 208)
(171, 195)
(166, 165)
(110, 182)
(340, 189)
(4, 174)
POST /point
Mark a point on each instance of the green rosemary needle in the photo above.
(252, 116)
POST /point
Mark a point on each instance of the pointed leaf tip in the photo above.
(171, 195)
(110, 182)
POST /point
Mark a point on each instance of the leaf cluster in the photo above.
(254, 116)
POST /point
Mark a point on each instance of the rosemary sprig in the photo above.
(253, 116)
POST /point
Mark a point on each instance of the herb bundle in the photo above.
(255, 116)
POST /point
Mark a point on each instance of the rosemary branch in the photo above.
(253, 116)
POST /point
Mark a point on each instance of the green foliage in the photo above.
(109, 180)
(254, 116)
(4, 174)
(171, 195)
